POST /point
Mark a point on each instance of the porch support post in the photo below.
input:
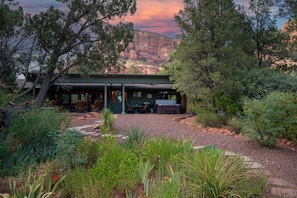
(105, 96)
(123, 98)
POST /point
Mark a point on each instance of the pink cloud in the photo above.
(157, 16)
(151, 15)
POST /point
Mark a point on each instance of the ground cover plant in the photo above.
(161, 167)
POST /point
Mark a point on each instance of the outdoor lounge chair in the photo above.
(97, 106)
(81, 105)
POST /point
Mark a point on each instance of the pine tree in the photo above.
(214, 52)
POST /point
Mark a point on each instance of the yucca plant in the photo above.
(135, 139)
(108, 121)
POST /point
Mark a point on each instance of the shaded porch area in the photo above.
(122, 93)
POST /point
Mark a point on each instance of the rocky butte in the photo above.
(147, 53)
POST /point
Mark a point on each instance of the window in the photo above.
(137, 94)
(74, 98)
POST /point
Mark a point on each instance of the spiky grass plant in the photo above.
(32, 185)
(135, 139)
(136, 134)
(170, 186)
(212, 174)
(144, 170)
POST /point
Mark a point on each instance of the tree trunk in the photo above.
(44, 89)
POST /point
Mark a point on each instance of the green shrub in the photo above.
(5, 97)
(108, 121)
(262, 81)
(211, 119)
(33, 126)
(67, 149)
(272, 117)
(31, 139)
(81, 182)
(116, 167)
(90, 149)
(235, 124)
(225, 103)
(136, 134)
(212, 174)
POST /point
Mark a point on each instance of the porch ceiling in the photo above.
(131, 81)
(120, 78)
(118, 86)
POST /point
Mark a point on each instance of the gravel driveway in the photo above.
(281, 162)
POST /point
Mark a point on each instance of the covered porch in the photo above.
(122, 93)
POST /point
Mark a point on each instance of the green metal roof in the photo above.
(111, 78)
(120, 78)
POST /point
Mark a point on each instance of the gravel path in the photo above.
(281, 162)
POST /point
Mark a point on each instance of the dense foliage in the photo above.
(214, 54)
(12, 39)
(221, 45)
(272, 117)
(230, 52)
(29, 139)
(162, 168)
(270, 44)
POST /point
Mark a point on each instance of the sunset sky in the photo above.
(151, 15)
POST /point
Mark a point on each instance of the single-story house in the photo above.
(121, 93)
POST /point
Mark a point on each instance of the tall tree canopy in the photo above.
(82, 34)
(288, 9)
(12, 39)
(270, 43)
(212, 54)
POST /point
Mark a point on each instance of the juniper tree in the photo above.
(270, 43)
(83, 34)
(12, 41)
(214, 51)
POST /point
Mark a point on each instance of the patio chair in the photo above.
(144, 108)
(97, 106)
(81, 105)
(129, 109)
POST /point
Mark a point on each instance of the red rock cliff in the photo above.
(147, 52)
